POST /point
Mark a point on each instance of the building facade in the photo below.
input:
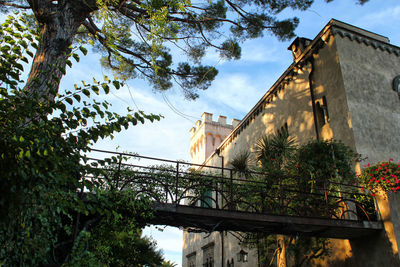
(343, 84)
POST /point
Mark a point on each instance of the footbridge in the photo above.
(203, 198)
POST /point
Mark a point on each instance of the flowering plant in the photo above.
(383, 175)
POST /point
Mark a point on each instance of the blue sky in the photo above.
(237, 88)
(234, 92)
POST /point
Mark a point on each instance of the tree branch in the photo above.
(4, 3)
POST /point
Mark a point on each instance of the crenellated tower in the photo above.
(207, 135)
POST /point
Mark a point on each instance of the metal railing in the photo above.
(181, 183)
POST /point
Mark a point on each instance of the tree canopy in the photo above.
(51, 212)
(136, 37)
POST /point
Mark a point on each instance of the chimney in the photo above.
(298, 46)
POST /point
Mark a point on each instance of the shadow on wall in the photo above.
(370, 251)
(291, 105)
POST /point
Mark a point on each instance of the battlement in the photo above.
(207, 118)
(207, 135)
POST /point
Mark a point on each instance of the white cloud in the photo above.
(237, 91)
(261, 51)
(381, 17)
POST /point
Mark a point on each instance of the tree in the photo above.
(169, 264)
(295, 183)
(274, 153)
(48, 206)
(133, 36)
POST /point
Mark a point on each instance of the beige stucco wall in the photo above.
(207, 135)
(291, 105)
(364, 113)
(195, 241)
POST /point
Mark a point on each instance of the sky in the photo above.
(237, 88)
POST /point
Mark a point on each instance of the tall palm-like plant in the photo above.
(240, 163)
(274, 152)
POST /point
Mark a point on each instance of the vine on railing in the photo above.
(183, 183)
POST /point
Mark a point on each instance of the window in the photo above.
(396, 85)
(322, 112)
(208, 255)
(206, 199)
(191, 259)
(230, 263)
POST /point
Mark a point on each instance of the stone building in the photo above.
(343, 84)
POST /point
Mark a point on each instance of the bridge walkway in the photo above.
(207, 198)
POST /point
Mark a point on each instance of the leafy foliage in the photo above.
(326, 161)
(138, 38)
(48, 208)
(293, 172)
(274, 152)
(240, 163)
(169, 264)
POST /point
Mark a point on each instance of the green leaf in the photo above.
(68, 62)
(116, 84)
(62, 70)
(95, 89)
(69, 100)
(19, 66)
(77, 97)
(76, 57)
(5, 48)
(86, 92)
(105, 87)
(83, 50)
(23, 43)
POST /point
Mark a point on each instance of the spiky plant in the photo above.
(274, 151)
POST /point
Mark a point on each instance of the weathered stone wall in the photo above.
(368, 72)
(193, 242)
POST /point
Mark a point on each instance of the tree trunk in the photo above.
(282, 252)
(59, 23)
